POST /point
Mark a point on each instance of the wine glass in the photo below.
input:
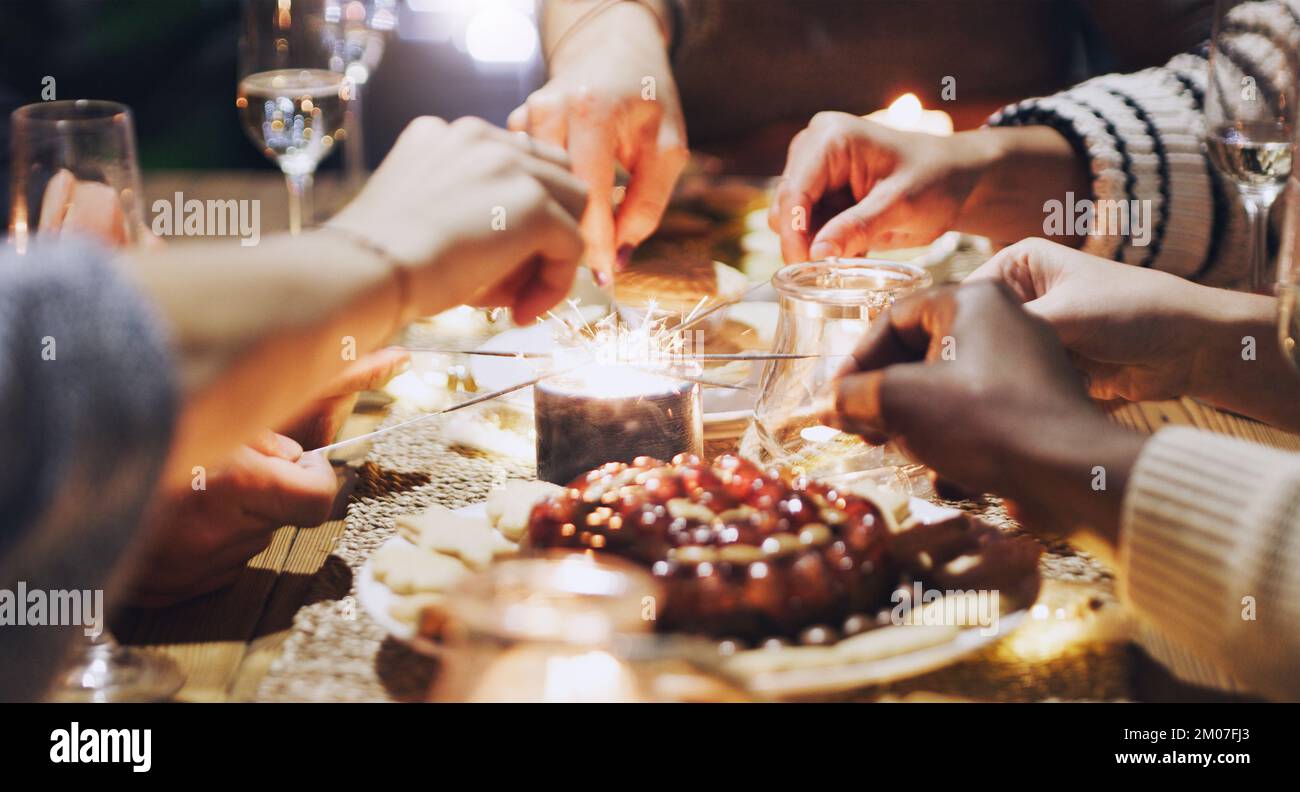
(291, 104)
(1249, 118)
(74, 170)
(355, 33)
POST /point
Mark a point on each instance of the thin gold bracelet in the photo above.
(399, 269)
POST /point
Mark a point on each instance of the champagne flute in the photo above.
(75, 171)
(291, 104)
(355, 33)
(1249, 118)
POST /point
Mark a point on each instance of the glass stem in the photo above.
(354, 147)
(300, 206)
(1257, 206)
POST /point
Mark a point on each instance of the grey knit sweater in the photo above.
(1143, 137)
(86, 412)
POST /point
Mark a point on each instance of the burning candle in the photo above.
(612, 413)
(907, 114)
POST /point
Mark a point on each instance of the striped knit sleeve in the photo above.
(1209, 557)
(1160, 203)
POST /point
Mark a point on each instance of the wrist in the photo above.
(623, 28)
(1073, 473)
(1237, 359)
(1020, 170)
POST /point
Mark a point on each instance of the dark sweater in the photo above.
(82, 435)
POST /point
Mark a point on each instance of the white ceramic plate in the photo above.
(376, 598)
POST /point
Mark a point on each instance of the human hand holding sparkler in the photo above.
(488, 218)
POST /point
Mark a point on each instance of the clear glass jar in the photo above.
(825, 308)
(553, 628)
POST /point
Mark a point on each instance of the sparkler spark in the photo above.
(653, 347)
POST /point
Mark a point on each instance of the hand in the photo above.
(611, 98)
(88, 208)
(198, 541)
(479, 215)
(1141, 335)
(320, 421)
(851, 185)
(202, 539)
(969, 383)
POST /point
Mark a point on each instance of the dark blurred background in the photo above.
(742, 64)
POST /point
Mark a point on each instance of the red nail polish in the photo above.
(624, 258)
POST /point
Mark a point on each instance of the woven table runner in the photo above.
(336, 652)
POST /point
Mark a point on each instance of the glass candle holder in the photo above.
(553, 628)
(602, 414)
(825, 308)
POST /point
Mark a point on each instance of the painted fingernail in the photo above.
(623, 258)
(601, 277)
(823, 250)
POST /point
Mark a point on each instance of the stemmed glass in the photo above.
(1249, 118)
(75, 171)
(74, 168)
(292, 105)
(355, 33)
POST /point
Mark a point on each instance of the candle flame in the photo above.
(905, 111)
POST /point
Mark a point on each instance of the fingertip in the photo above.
(823, 249)
(517, 121)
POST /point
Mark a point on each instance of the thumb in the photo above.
(852, 232)
(873, 403)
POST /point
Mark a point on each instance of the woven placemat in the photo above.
(336, 652)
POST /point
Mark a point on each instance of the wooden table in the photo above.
(226, 641)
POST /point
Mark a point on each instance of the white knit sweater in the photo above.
(1210, 536)
(1209, 558)
(1143, 137)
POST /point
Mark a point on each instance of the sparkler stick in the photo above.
(704, 356)
(482, 353)
(684, 326)
(453, 408)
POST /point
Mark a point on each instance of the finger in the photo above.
(549, 283)
(775, 217)
(369, 372)
(856, 230)
(517, 121)
(541, 149)
(902, 333)
(658, 164)
(96, 211)
(547, 119)
(804, 181)
(275, 444)
(1011, 269)
(286, 493)
(591, 146)
(872, 403)
(563, 185)
(55, 201)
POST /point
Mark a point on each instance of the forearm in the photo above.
(1238, 361)
(1209, 554)
(260, 330)
(1071, 474)
(1021, 168)
(582, 24)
